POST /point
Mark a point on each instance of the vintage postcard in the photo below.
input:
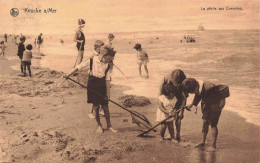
(129, 81)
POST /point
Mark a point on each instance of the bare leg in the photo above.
(29, 70)
(163, 128)
(140, 71)
(214, 135)
(178, 129)
(107, 116)
(24, 70)
(96, 108)
(171, 129)
(146, 70)
(205, 130)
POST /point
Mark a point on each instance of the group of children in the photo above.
(173, 95)
(25, 55)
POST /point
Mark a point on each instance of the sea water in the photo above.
(229, 57)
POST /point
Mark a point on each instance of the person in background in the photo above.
(39, 41)
(2, 48)
(21, 49)
(80, 39)
(143, 59)
(5, 36)
(26, 61)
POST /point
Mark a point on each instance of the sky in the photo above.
(128, 15)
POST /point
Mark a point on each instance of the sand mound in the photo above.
(46, 73)
(131, 100)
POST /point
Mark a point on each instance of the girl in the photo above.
(167, 101)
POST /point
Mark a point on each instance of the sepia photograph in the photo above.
(163, 81)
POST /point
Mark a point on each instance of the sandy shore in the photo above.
(43, 122)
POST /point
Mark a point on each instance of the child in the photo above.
(167, 102)
(142, 59)
(109, 41)
(21, 49)
(96, 52)
(2, 48)
(212, 99)
(99, 84)
(80, 39)
(27, 56)
(175, 79)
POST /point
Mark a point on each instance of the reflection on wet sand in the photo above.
(200, 155)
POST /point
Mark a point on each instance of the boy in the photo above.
(2, 48)
(21, 49)
(99, 84)
(27, 56)
(142, 59)
(212, 99)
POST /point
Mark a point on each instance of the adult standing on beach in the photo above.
(39, 41)
(212, 99)
(5, 37)
(175, 79)
(80, 39)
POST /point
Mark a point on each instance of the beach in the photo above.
(45, 122)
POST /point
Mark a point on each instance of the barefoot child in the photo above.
(167, 102)
(175, 79)
(26, 61)
(143, 59)
(2, 48)
(21, 49)
(212, 99)
(98, 92)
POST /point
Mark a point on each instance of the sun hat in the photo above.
(137, 46)
(81, 21)
(110, 35)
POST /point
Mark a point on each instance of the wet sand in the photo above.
(43, 122)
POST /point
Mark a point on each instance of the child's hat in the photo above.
(111, 35)
(81, 21)
(22, 38)
(99, 43)
(105, 50)
(137, 46)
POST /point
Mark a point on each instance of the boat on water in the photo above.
(201, 28)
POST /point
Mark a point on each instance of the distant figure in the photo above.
(35, 42)
(143, 59)
(61, 41)
(2, 48)
(39, 41)
(80, 39)
(181, 41)
(109, 43)
(27, 56)
(5, 36)
(157, 38)
(21, 49)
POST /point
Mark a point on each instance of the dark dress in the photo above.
(80, 36)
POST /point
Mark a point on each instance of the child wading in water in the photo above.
(167, 102)
(142, 59)
(26, 61)
(98, 92)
